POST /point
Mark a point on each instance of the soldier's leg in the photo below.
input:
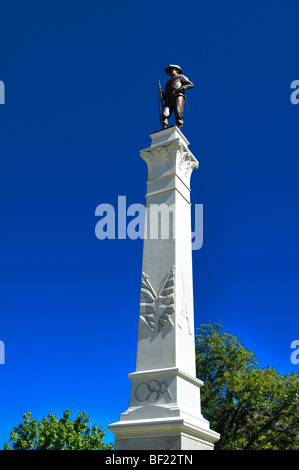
(179, 109)
(165, 116)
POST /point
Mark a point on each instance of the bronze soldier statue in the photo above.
(174, 96)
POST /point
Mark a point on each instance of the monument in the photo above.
(174, 97)
(164, 411)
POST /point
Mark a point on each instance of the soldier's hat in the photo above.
(171, 67)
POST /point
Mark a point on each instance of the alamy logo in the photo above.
(2, 93)
(157, 221)
(295, 354)
(295, 95)
(2, 358)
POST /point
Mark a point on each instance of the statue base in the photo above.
(163, 417)
(164, 411)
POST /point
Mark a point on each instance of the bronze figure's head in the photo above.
(173, 69)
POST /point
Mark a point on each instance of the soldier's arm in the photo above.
(186, 84)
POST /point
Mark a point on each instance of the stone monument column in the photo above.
(164, 411)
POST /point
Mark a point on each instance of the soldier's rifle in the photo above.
(160, 96)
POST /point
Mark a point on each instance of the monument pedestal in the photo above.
(164, 411)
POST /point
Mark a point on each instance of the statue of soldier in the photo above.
(174, 96)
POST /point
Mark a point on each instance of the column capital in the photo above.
(165, 135)
(169, 155)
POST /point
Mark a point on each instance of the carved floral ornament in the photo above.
(160, 159)
(186, 161)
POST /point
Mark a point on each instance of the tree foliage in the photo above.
(57, 434)
(252, 408)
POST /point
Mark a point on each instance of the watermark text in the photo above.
(153, 222)
(295, 353)
(2, 353)
(2, 92)
(295, 94)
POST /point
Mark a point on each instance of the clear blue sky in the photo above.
(81, 101)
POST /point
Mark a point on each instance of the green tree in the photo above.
(252, 408)
(57, 434)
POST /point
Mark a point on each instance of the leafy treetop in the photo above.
(57, 434)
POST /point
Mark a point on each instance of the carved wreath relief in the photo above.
(156, 308)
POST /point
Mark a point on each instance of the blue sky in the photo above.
(81, 101)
